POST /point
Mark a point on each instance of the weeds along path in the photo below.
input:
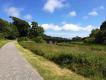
(13, 66)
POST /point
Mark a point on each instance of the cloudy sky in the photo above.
(63, 18)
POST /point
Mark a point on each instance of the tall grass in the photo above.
(48, 69)
(87, 60)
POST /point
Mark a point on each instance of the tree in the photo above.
(103, 31)
(77, 38)
(22, 26)
(95, 36)
(103, 26)
(99, 35)
(34, 24)
(99, 38)
(3, 25)
(36, 30)
(13, 32)
(7, 30)
(94, 32)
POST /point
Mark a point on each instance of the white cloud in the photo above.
(73, 13)
(93, 13)
(52, 5)
(51, 27)
(28, 17)
(71, 27)
(68, 27)
(13, 11)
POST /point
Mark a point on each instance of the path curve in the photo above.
(13, 66)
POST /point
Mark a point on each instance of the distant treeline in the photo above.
(55, 39)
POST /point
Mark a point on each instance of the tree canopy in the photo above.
(7, 30)
(103, 26)
(22, 26)
(36, 30)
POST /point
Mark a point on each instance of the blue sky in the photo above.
(63, 18)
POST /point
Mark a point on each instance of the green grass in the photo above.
(86, 60)
(48, 69)
(3, 42)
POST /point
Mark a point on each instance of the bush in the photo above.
(38, 52)
(23, 39)
(89, 40)
(38, 39)
(1, 36)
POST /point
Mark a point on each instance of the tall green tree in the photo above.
(22, 26)
(99, 35)
(103, 26)
(103, 31)
(13, 32)
(3, 25)
(36, 30)
(36, 33)
(94, 32)
(7, 30)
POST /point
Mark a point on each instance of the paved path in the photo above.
(13, 66)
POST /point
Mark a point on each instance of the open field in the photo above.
(48, 69)
(86, 60)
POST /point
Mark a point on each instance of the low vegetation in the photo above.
(86, 60)
(48, 69)
(3, 42)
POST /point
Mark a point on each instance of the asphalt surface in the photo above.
(14, 67)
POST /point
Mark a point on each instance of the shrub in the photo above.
(1, 36)
(38, 52)
(38, 39)
(23, 39)
(89, 40)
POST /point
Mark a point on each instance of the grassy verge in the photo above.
(3, 42)
(87, 60)
(48, 69)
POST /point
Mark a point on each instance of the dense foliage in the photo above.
(98, 35)
(7, 30)
(22, 26)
